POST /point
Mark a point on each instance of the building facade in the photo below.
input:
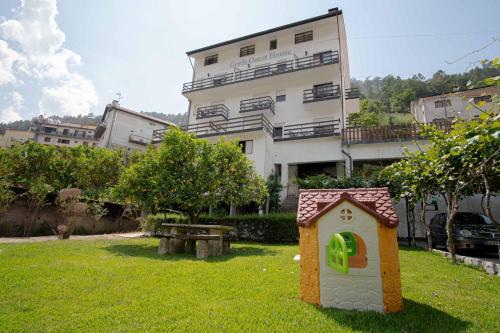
(453, 105)
(122, 128)
(284, 93)
(50, 132)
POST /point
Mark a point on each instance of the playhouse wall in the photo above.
(389, 266)
(309, 264)
(361, 288)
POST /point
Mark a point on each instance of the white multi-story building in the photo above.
(284, 93)
(123, 128)
(52, 132)
(453, 105)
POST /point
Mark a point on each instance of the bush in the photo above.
(270, 228)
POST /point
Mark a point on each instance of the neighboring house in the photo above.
(124, 128)
(52, 132)
(8, 137)
(452, 105)
(349, 249)
(285, 93)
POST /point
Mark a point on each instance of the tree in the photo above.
(191, 175)
(274, 188)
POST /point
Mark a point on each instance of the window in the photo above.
(246, 146)
(323, 90)
(46, 139)
(219, 80)
(485, 98)
(282, 66)
(322, 58)
(85, 143)
(64, 141)
(273, 45)
(65, 131)
(247, 50)
(278, 132)
(303, 37)
(280, 98)
(210, 60)
(442, 104)
(263, 71)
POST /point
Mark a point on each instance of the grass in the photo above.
(98, 286)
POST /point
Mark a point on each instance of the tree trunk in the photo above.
(452, 211)
(487, 195)
(424, 224)
(194, 218)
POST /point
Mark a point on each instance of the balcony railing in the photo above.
(257, 104)
(140, 140)
(325, 58)
(69, 134)
(307, 130)
(321, 94)
(375, 134)
(258, 123)
(218, 110)
(352, 93)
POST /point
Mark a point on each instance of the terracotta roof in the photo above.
(375, 201)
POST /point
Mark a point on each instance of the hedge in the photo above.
(270, 228)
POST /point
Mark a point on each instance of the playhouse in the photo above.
(348, 249)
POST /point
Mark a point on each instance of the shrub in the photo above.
(270, 228)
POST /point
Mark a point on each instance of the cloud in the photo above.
(11, 113)
(32, 46)
(76, 95)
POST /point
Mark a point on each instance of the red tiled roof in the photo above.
(375, 201)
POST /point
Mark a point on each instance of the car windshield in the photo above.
(469, 218)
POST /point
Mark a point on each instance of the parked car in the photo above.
(470, 231)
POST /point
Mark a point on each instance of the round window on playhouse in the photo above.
(346, 215)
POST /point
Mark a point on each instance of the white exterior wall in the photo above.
(120, 125)
(360, 288)
(69, 139)
(266, 151)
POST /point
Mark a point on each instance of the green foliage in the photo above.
(269, 228)
(191, 175)
(324, 181)
(274, 188)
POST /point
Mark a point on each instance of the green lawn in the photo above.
(120, 285)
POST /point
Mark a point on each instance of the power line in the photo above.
(494, 40)
(426, 35)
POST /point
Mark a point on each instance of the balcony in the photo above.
(79, 135)
(392, 133)
(218, 110)
(140, 140)
(257, 104)
(321, 59)
(352, 93)
(307, 130)
(321, 93)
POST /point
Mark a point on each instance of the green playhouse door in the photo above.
(340, 248)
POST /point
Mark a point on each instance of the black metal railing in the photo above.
(325, 58)
(352, 93)
(257, 104)
(258, 123)
(321, 94)
(308, 130)
(218, 110)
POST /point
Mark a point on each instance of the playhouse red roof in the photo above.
(375, 201)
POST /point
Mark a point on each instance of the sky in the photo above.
(71, 57)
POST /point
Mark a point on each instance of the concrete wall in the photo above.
(361, 288)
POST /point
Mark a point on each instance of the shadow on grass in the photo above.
(415, 317)
(151, 251)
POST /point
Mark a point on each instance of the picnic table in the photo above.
(208, 239)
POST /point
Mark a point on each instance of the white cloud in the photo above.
(9, 115)
(9, 60)
(35, 49)
(17, 100)
(75, 95)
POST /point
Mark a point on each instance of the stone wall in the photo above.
(12, 221)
